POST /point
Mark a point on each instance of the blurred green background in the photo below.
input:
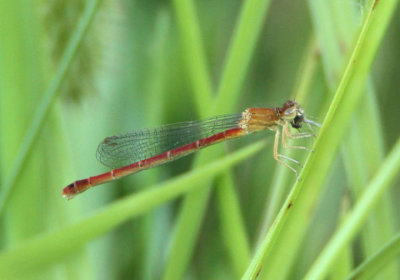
(147, 63)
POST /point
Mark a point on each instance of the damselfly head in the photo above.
(293, 113)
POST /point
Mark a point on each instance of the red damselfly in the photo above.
(139, 150)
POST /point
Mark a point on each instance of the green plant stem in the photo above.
(361, 161)
(280, 179)
(388, 171)
(291, 222)
(154, 222)
(378, 261)
(189, 222)
(336, 35)
(47, 101)
(344, 262)
(233, 231)
(238, 59)
(195, 54)
(46, 249)
(240, 52)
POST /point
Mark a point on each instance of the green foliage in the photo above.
(230, 211)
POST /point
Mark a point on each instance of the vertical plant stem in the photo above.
(233, 231)
(280, 179)
(379, 260)
(335, 36)
(194, 53)
(388, 171)
(48, 100)
(237, 61)
(291, 223)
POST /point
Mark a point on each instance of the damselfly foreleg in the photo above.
(277, 156)
(286, 134)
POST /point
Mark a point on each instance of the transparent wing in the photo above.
(120, 150)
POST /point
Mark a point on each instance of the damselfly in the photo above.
(139, 150)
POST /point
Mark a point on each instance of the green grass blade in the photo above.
(194, 54)
(240, 52)
(344, 262)
(201, 82)
(153, 223)
(324, 24)
(237, 61)
(355, 220)
(21, 84)
(48, 99)
(378, 261)
(233, 231)
(280, 179)
(47, 249)
(361, 161)
(335, 32)
(291, 222)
